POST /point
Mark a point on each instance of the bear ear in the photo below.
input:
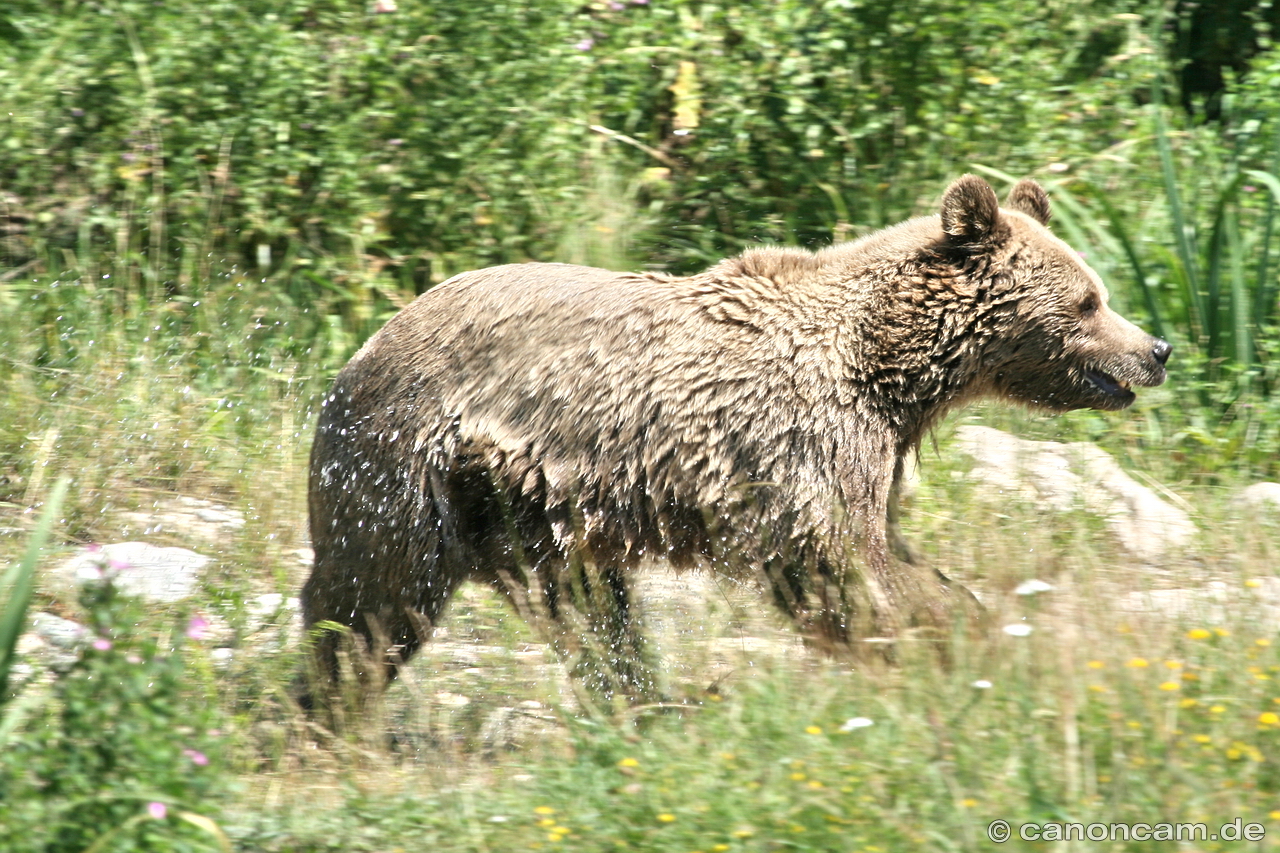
(1030, 198)
(970, 211)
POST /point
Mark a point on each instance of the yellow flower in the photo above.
(1222, 632)
(1198, 634)
(666, 817)
(1262, 641)
(1173, 664)
(1269, 718)
(1253, 583)
(1170, 685)
(1217, 709)
(1202, 739)
(986, 79)
(813, 730)
(547, 822)
(1189, 702)
(720, 848)
(745, 832)
(1095, 664)
(815, 784)
(628, 762)
(1137, 663)
(968, 803)
(544, 810)
(1275, 815)
(797, 777)
(1097, 688)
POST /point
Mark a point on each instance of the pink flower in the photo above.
(197, 757)
(198, 628)
(586, 44)
(157, 810)
(102, 644)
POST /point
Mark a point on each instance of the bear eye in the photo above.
(1089, 306)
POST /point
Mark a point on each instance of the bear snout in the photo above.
(1160, 351)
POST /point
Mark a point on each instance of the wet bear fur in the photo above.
(544, 428)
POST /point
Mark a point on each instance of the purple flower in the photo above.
(102, 644)
(197, 757)
(157, 810)
(586, 44)
(197, 628)
(116, 564)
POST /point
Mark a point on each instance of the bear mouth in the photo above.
(1116, 389)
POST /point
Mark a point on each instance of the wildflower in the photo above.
(1269, 718)
(1189, 702)
(102, 644)
(586, 44)
(1017, 630)
(1222, 632)
(544, 810)
(856, 723)
(666, 817)
(813, 730)
(1173, 664)
(547, 822)
(981, 684)
(797, 777)
(1095, 664)
(1202, 739)
(628, 762)
(1198, 634)
(158, 811)
(384, 7)
(1169, 686)
(1217, 709)
(1137, 663)
(197, 628)
(197, 757)
(1262, 642)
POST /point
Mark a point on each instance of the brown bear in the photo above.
(545, 427)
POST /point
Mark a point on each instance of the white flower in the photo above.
(1032, 586)
(982, 684)
(856, 723)
(1017, 629)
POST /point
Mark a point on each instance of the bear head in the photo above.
(1050, 338)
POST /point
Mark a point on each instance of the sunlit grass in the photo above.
(1099, 713)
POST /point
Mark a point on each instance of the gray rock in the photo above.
(186, 518)
(56, 631)
(1063, 477)
(1260, 496)
(141, 569)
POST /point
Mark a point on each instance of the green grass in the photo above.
(1102, 714)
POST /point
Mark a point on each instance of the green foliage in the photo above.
(331, 148)
(125, 755)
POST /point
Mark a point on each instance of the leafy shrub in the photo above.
(123, 756)
(283, 135)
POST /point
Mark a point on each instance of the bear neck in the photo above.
(899, 331)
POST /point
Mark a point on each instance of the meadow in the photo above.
(197, 236)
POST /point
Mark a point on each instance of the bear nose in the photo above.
(1160, 350)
